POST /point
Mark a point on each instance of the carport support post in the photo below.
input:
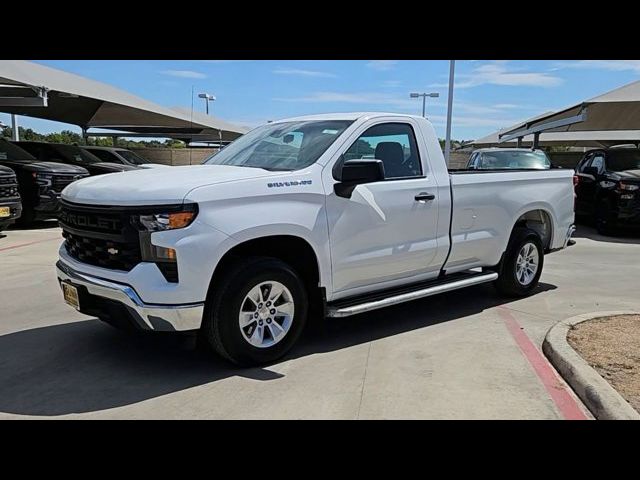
(85, 137)
(114, 141)
(536, 140)
(15, 134)
(519, 142)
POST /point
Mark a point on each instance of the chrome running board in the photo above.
(338, 311)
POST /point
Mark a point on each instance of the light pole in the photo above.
(424, 98)
(207, 98)
(447, 142)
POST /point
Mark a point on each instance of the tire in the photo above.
(264, 337)
(603, 218)
(513, 281)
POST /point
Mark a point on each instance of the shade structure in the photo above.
(89, 104)
(596, 139)
(618, 109)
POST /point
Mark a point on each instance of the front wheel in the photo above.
(522, 265)
(256, 316)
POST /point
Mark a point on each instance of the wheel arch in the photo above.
(294, 250)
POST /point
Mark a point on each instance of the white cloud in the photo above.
(184, 73)
(365, 98)
(303, 73)
(392, 83)
(382, 65)
(498, 73)
(609, 65)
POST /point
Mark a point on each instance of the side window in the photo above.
(394, 144)
(598, 162)
(585, 163)
(105, 156)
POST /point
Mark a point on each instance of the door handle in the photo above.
(424, 197)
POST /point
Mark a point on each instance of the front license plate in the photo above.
(5, 212)
(71, 295)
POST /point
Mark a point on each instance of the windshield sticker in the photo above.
(292, 183)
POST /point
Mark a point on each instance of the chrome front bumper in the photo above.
(146, 316)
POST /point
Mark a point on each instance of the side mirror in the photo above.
(356, 172)
(593, 171)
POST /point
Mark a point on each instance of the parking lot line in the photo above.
(557, 389)
(28, 243)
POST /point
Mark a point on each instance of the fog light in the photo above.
(163, 253)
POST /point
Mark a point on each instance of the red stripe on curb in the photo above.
(557, 389)
(29, 243)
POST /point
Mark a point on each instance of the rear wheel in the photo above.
(257, 315)
(522, 264)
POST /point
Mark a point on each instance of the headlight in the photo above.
(42, 178)
(628, 187)
(174, 218)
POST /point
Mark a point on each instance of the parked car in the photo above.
(39, 183)
(10, 204)
(508, 158)
(122, 156)
(72, 155)
(608, 188)
(291, 217)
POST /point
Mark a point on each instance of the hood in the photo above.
(47, 167)
(629, 175)
(156, 186)
(111, 167)
(153, 165)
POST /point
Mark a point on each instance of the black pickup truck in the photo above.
(39, 183)
(10, 204)
(71, 155)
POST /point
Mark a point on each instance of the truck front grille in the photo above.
(60, 181)
(102, 253)
(100, 236)
(8, 186)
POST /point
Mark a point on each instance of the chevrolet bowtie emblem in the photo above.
(112, 251)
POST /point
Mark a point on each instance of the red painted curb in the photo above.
(555, 386)
(29, 243)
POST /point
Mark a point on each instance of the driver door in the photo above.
(382, 235)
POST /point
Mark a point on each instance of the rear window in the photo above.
(9, 151)
(513, 160)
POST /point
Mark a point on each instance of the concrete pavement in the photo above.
(449, 356)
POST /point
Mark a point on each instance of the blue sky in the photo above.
(488, 95)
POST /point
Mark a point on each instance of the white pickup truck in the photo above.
(348, 212)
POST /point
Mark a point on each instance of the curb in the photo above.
(604, 402)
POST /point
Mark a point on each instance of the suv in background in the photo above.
(73, 155)
(39, 183)
(608, 188)
(10, 205)
(121, 156)
(508, 158)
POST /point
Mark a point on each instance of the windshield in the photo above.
(132, 157)
(622, 160)
(514, 159)
(281, 146)
(74, 154)
(9, 151)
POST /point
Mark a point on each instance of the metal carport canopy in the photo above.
(90, 104)
(597, 139)
(618, 109)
